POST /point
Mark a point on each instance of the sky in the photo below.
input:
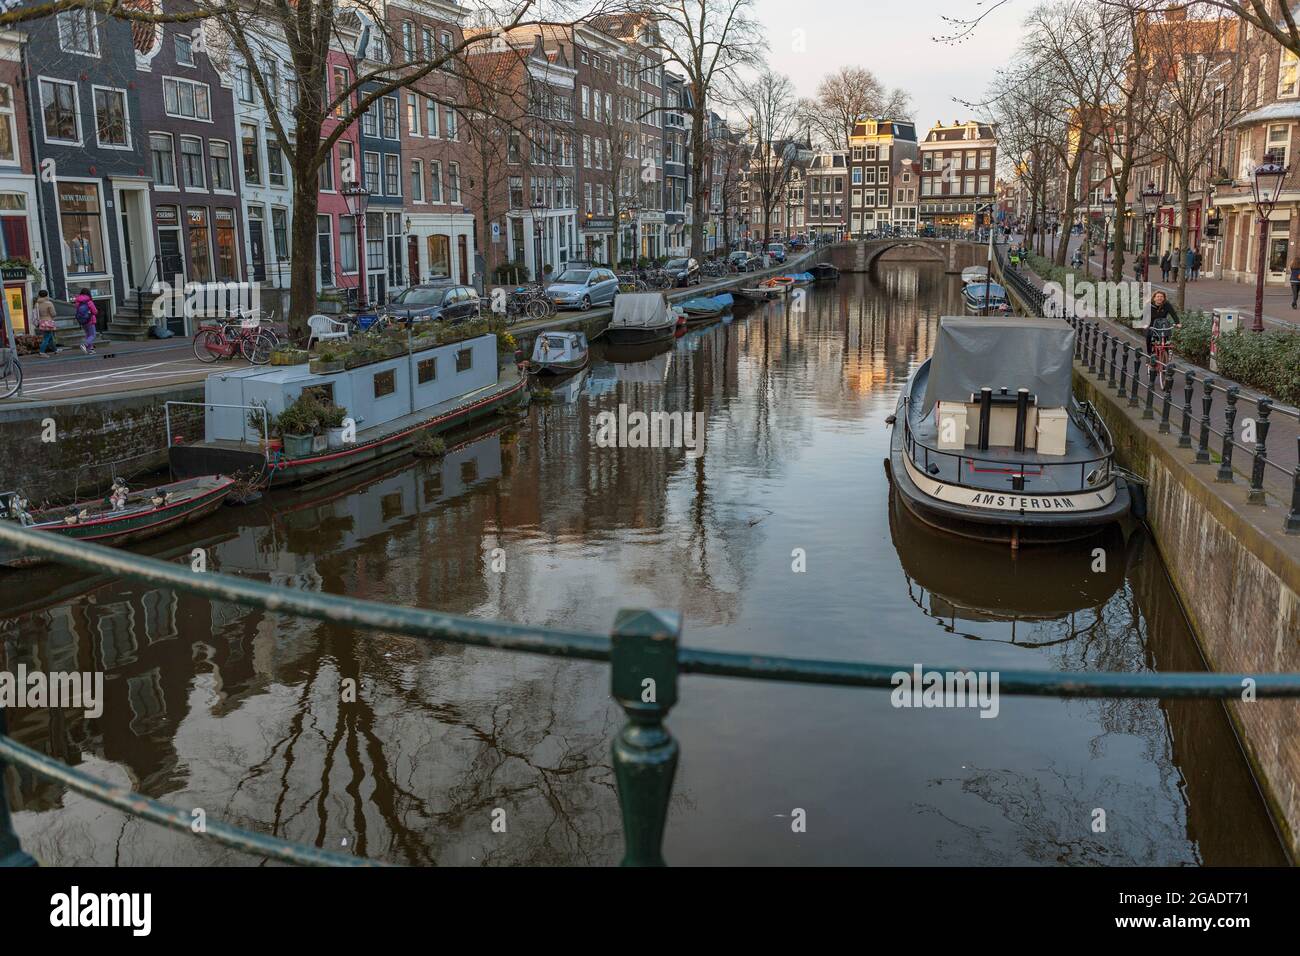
(892, 38)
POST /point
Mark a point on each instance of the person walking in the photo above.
(1197, 261)
(1164, 267)
(87, 318)
(1175, 262)
(1295, 280)
(1189, 260)
(45, 323)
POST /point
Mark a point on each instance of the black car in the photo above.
(684, 271)
(440, 301)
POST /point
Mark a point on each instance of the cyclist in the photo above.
(1163, 320)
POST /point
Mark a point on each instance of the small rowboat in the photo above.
(122, 518)
(824, 271)
(559, 353)
(706, 307)
(761, 293)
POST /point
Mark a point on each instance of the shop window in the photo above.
(80, 220)
(200, 254)
(227, 261)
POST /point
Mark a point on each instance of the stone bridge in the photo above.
(955, 254)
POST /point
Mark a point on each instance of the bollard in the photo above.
(1203, 442)
(1147, 410)
(1123, 371)
(1256, 494)
(1292, 525)
(1224, 473)
(1189, 386)
(1110, 380)
(1170, 371)
(1133, 383)
(11, 851)
(644, 665)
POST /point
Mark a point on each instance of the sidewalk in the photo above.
(1284, 429)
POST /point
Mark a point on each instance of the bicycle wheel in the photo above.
(11, 378)
(257, 347)
(536, 309)
(209, 345)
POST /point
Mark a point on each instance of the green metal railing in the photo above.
(646, 661)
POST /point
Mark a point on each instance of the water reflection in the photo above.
(246, 713)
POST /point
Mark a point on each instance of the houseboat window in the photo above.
(469, 471)
(391, 506)
(8, 153)
(83, 234)
(226, 264)
(323, 393)
(385, 383)
(428, 369)
(200, 256)
(464, 360)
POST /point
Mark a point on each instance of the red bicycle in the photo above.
(1162, 353)
(247, 337)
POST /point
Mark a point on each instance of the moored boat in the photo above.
(989, 441)
(824, 272)
(705, 308)
(974, 274)
(120, 518)
(760, 293)
(985, 298)
(559, 353)
(640, 318)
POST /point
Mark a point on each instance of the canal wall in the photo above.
(67, 447)
(1237, 575)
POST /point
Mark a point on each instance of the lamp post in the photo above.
(634, 210)
(1050, 218)
(1108, 214)
(1267, 185)
(1152, 195)
(358, 198)
(538, 207)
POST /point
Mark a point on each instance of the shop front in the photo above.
(83, 234)
(596, 238)
(439, 246)
(20, 257)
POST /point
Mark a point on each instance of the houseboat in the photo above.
(989, 441)
(559, 353)
(121, 517)
(974, 274)
(641, 318)
(388, 404)
(824, 272)
(985, 298)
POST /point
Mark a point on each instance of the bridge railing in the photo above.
(646, 661)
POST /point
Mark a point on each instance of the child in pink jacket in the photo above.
(88, 317)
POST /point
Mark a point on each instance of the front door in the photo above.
(257, 249)
(462, 251)
(413, 258)
(172, 263)
(128, 241)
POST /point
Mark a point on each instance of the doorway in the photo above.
(413, 258)
(257, 243)
(462, 252)
(134, 221)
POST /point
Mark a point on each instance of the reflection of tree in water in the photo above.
(1050, 818)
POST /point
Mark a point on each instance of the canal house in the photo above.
(21, 249)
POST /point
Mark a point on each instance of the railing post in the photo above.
(1133, 383)
(1105, 348)
(1224, 473)
(1110, 379)
(1256, 494)
(1123, 371)
(11, 851)
(1092, 347)
(644, 682)
(1292, 525)
(1203, 442)
(1148, 409)
(1170, 371)
(1189, 386)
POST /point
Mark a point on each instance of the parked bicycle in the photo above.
(247, 337)
(11, 373)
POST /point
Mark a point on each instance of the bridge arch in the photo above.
(862, 255)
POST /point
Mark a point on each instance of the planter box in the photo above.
(322, 367)
(297, 446)
(295, 357)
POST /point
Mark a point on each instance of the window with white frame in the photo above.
(184, 45)
(431, 117)
(192, 162)
(8, 126)
(219, 164)
(390, 117)
(1279, 141)
(1286, 74)
(413, 114)
(164, 160)
(274, 163)
(453, 183)
(186, 99)
(59, 111)
(392, 175)
(417, 180)
(370, 172)
(78, 32)
(435, 181)
(112, 130)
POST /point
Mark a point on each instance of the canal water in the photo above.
(239, 712)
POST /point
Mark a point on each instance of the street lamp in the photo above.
(1050, 218)
(1267, 186)
(1152, 196)
(1108, 205)
(358, 198)
(538, 207)
(634, 210)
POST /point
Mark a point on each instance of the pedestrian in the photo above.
(1295, 280)
(1189, 261)
(1163, 319)
(1176, 262)
(1164, 267)
(45, 323)
(1197, 261)
(87, 317)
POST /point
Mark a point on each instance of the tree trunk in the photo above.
(302, 262)
(1117, 237)
(1184, 233)
(699, 195)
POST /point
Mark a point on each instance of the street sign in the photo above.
(496, 232)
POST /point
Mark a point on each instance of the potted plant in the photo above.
(288, 355)
(331, 419)
(329, 358)
(261, 422)
(298, 424)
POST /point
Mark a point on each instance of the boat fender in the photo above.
(1138, 500)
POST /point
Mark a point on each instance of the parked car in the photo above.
(740, 260)
(432, 302)
(754, 263)
(583, 288)
(777, 251)
(685, 271)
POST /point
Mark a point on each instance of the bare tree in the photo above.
(846, 96)
(769, 105)
(708, 41)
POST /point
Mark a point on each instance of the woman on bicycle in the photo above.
(1163, 319)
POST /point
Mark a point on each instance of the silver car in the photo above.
(583, 288)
